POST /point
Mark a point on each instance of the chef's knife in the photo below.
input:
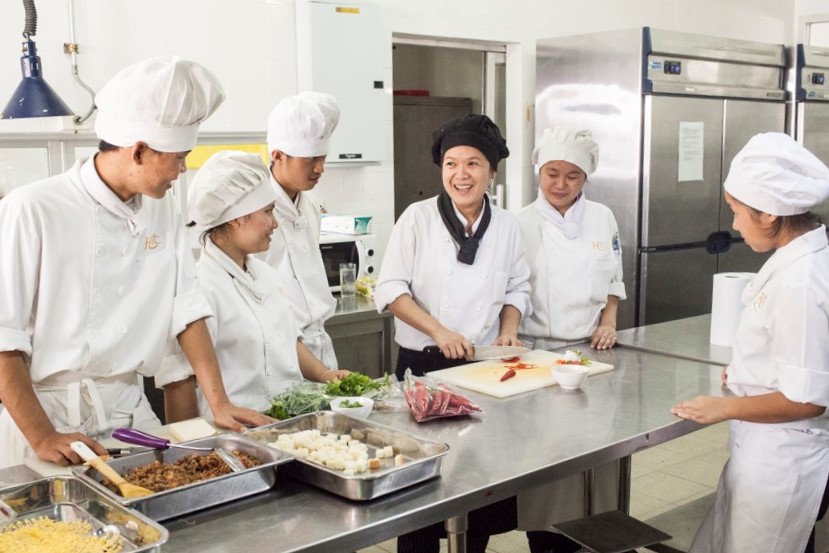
(486, 353)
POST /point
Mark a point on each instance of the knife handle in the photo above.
(432, 350)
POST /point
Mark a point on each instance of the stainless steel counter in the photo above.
(686, 338)
(516, 444)
(362, 337)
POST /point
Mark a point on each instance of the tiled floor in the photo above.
(665, 478)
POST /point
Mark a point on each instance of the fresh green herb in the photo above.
(297, 401)
(348, 404)
(355, 384)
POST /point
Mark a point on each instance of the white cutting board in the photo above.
(485, 376)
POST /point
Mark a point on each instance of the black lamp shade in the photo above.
(33, 96)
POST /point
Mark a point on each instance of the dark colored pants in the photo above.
(421, 362)
(487, 521)
(824, 503)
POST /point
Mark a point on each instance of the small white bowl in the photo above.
(367, 404)
(570, 377)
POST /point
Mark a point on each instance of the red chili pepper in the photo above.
(507, 375)
(511, 359)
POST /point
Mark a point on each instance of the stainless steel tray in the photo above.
(423, 457)
(67, 498)
(199, 495)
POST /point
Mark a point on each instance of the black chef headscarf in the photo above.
(473, 130)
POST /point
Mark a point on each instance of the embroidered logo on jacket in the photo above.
(151, 242)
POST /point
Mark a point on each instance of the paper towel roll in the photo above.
(726, 306)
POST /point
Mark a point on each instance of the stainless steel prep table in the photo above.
(363, 339)
(686, 338)
(518, 443)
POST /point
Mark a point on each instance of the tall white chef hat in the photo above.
(561, 143)
(229, 185)
(301, 125)
(778, 176)
(160, 101)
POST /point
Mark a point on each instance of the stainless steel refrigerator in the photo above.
(669, 111)
(811, 105)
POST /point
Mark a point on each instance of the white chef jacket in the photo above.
(421, 260)
(570, 281)
(253, 331)
(570, 278)
(296, 257)
(91, 288)
(771, 487)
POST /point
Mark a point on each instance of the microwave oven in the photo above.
(346, 248)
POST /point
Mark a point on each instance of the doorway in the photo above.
(435, 81)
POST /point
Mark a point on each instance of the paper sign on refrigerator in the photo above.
(691, 145)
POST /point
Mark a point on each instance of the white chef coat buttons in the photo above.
(483, 277)
(99, 251)
(125, 250)
(122, 329)
(121, 290)
(269, 370)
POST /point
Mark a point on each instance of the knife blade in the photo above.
(486, 353)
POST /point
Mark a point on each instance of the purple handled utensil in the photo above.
(137, 437)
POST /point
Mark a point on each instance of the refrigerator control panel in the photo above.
(672, 67)
(818, 79)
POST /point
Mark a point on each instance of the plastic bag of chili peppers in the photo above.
(429, 399)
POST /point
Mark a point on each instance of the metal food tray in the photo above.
(422, 457)
(198, 495)
(67, 498)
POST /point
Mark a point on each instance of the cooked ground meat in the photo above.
(159, 477)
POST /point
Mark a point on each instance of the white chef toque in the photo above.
(231, 184)
(159, 101)
(301, 125)
(776, 175)
(561, 143)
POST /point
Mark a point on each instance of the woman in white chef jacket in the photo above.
(96, 277)
(454, 275)
(572, 247)
(299, 128)
(770, 489)
(231, 201)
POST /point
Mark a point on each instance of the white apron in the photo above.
(769, 491)
(76, 404)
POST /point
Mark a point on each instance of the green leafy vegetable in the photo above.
(298, 400)
(348, 404)
(355, 384)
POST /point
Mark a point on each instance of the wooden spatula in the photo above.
(127, 490)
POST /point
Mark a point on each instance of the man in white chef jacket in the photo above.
(97, 278)
(299, 128)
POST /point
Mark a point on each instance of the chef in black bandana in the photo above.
(454, 272)
(454, 275)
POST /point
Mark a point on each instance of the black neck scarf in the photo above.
(468, 244)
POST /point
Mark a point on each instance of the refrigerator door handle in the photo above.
(718, 242)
